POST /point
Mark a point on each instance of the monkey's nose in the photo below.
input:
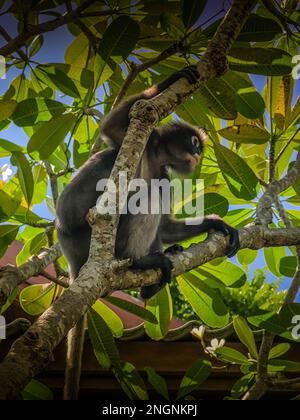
(197, 158)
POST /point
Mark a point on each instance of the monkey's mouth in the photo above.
(193, 160)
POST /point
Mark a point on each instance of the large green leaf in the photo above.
(158, 382)
(120, 38)
(259, 29)
(230, 355)
(215, 204)
(25, 175)
(8, 234)
(240, 178)
(34, 110)
(246, 335)
(269, 62)
(49, 136)
(37, 391)
(7, 108)
(226, 273)
(269, 321)
(131, 381)
(206, 302)
(55, 78)
(132, 308)
(248, 101)
(110, 317)
(288, 266)
(245, 134)
(194, 377)
(7, 147)
(104, 345)
(279, 350)
(161, 307)
(35, 299)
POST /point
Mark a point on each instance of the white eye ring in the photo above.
(195, 141)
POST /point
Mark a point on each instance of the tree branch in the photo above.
(11, 277)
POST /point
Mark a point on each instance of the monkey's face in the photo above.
(182, 147)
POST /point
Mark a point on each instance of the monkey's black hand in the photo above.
(234, 240)
(174, 249)
(190, 73)
(153, 261)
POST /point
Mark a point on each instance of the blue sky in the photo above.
(54, 48)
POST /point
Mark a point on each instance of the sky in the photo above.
(54, 49)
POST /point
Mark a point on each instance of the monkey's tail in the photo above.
(75, 346)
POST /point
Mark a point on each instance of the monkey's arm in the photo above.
(172, 231)
(114, 126)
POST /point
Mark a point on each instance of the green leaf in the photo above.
(240, 178)
(7, 147)
(8, 234)
(268, 62)
(226, 273)
(191, 11)
(35, 390)
(194, 377)
(215, 204)
(25, 175)
(206, 302)
(10, 300)
(230, 355)
(35, 299)
(34, 110)
(7, 108)
(245, 134)
(279, 350)
(132, 308)
(259, 29)
(273, 256)
(246, 335)
(269, 321)
(247, 257)
(104, 345)
(36, 45)
(243, 385)
(32, 246)
(158, 382)
(277, 365)
(161, 308)
(55, 78)
(110, 317)
(288, 266)
(120, 38)
(49, 136)
(131, 381)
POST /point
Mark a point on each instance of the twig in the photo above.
(59, 281)
(136, 69)
(34, 30)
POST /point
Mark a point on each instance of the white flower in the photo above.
(5, 172)
(215, 344)
(198, 332)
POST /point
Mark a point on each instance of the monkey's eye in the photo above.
(195, 141)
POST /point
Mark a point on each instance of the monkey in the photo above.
(140, 237)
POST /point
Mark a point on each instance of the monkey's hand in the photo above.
(190, 73)
(219, 225)
(154, 261)
(174, 249)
